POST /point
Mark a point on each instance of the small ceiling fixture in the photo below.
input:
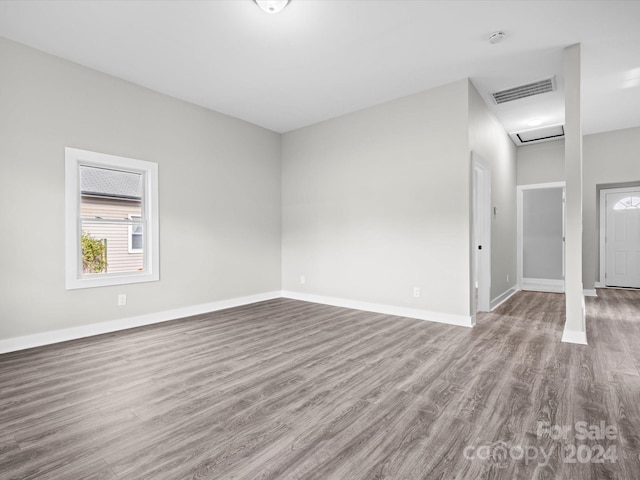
(272, 6)
(496, 37)
(534, 122)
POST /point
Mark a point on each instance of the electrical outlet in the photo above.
(416, 292)
(507, 278)
(122, 299)
(302, 280)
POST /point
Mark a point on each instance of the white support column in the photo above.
(575, 325)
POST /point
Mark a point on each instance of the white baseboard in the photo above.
(590, 292)
(450, 319)
(55, 336)
(577, 336)
(574, 336)
(542, 285)
(600, 285)
(63, 335)
(503, 297)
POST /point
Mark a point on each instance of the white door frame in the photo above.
(520, 228)
(603, 228)
(481, 259)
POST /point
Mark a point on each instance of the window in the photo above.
(111, 220)
(629, 203)
(135, 235)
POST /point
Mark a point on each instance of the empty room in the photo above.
(319, 239)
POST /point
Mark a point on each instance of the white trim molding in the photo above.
(542, 285)
(75, 159)
(577, 336)
(574, 336)
(590, 292)
(439, 317)
(602, 267)
(503, 297)
(56, 336)
(520, 230)
(481, 232)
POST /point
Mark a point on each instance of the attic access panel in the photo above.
(539, 134)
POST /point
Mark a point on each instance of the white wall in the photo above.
(377, 202)
(373, 203)
(219, 181)
(488, 138)
(541, 163)
(609, 158)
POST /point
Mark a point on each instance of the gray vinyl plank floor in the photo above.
(285, 389)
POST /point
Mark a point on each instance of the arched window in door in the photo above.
(627, 203)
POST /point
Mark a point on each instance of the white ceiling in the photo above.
(319, 59)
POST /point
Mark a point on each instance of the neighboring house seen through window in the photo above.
(111, 220)
(135, 235)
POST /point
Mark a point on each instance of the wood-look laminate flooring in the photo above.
(285, 389)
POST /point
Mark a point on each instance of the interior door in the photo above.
(482, 233)
(622, 240)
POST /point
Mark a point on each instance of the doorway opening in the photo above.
(481, 235)
(620, 237)
(541, 237)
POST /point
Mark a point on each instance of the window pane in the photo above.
(110, 194)
(112, 201)
(94, 254)
(136, 241)
(136, 235)
(110, 183)
(107, 196)
(627, 203)
(116, 255)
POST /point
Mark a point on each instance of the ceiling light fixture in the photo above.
(534, 122)
(272, 6)
(496, 37)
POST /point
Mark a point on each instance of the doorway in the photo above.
(541, 245)
(620, 237)
(481, 235)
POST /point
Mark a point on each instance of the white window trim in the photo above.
(129, 239)
(73, 254)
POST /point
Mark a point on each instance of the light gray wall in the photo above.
(219, 182)
(377, 202)
(610, 159)
(541, 163)
(488, 138)
(542, 233)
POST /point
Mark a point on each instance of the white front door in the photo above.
(622, 241)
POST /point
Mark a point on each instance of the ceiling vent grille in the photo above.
(524, 91)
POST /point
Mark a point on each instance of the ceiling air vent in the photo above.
(536, 135)
(523, 91)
